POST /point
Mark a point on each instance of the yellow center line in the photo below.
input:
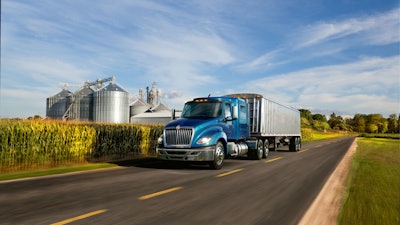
(144, 197)
(274, 159)
(303, 150)
(80, 217)
(229, 173)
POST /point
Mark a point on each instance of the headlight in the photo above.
(203, 140)
(160, 140)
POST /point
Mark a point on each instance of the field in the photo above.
(37, 145)
(373, 185)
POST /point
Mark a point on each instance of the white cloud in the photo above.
(369, 85)
(378, 29)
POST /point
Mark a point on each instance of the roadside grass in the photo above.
(313, 135)
(56, 170)
(393, 136)
(373, 185)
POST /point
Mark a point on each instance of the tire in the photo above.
(275, 146)
(219, 156)
(294, 144)
(266, 149)
(259, 151)
(256, 154)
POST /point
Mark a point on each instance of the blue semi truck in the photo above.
(211, 129)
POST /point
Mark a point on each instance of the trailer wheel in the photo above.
(266, 149)
(298, 143)
(219, 156)
(294, 144)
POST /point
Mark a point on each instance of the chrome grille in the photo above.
(181, 136)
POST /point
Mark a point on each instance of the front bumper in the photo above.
(191, 154)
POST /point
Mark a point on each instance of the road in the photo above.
(277, 190)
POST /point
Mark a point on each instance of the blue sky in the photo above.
(337, 56)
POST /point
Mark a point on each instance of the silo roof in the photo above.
(64, 93)
(84, 91)
(161, 107)
(139, 102)
(113, 87)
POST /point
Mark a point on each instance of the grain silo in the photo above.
(56, 105)
(138, 107)
(111, 104)
(82, 104)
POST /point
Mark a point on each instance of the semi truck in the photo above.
(212, 129)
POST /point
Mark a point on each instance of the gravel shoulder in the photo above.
(325, 208)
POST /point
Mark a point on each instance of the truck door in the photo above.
(243, 121)
(228, 128)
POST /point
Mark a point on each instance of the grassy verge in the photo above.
(373, 184)
(57, 170)
(312, 135)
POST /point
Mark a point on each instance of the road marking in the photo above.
(229, 173)
(303, 150)
(144, 197)
(274, 159)
(80, 217)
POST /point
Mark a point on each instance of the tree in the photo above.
(337, 122)
(319, 117)
(393, 124)
(306, 118)
(305, 113)
(359, 123)
(376, 123)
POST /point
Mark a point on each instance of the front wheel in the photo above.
(219, 156)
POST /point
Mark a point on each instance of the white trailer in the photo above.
(274, 123)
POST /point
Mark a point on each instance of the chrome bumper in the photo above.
(192, 154)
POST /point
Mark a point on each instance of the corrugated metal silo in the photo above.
(138, 107)
(111, 104)
(82, 108)
(57, 105)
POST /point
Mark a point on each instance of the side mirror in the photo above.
(173, 116)
(235, 115)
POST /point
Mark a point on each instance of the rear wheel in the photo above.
(257, 153)
(295, 144)
(260, 150)
(266, 149)
(219, 156)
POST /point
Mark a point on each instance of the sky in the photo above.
(326, 56)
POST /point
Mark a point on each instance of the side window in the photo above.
(228, 110)
(242, 115)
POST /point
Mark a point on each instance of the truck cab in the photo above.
(209, 130)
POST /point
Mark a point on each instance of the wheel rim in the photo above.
(219, 154)
(266, 148)
(260, 150)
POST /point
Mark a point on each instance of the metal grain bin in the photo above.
(111, 104)
(56, 105)
(82, 108)
(138, 107)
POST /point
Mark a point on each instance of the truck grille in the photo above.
(181, 136)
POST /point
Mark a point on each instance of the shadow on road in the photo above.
(153, 163)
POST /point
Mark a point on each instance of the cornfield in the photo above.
(42, 144)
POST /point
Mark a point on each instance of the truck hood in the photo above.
(191, 122)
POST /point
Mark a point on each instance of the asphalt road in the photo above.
(277, 190)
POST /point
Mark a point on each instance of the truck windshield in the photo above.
(202, 109)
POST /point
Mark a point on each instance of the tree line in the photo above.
(362, 123)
